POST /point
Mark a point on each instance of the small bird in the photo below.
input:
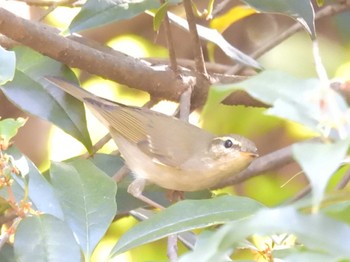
(165, 150)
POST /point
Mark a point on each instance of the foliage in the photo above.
(68, 210)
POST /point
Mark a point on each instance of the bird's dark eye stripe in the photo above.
(228, 143)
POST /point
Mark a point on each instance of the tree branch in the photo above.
(159, 82)
(196, 45)
(324, 12)
(170, 42)
(262, 164)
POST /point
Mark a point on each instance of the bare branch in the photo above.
(158, 82)
(262, 164)
(170, 42)
(329, 10)
(198, 54)
(344, 181)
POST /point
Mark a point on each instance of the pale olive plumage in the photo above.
(165, 150)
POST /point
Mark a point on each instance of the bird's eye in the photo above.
(228, 143)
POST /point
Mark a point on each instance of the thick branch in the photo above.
(159, 82)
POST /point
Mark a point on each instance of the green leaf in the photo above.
(45, 238)
(301, 10)
(98, 13)
(32, 93)
(301, 100)
(187, 215)
(215, 37)
(314, 232)
(87, 197)
(310, 256)
(319, 161)
(7, 65)
(339, 210)
(7, 254)
(320, 2)
(9, 128)
(40, 192)
(159, 16)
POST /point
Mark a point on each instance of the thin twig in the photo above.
(104, 140)
(172, 248)
(170, 43)
(276, 40)
(188, 238)
(198, 54)
(304, 192)
(344, 181)
(185, 104)
(121, 174)
(8, 217)
(262, 164)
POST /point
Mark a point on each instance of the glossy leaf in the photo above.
(87, 197)
(9, 128)
(319, 161)
(98, 13)
(187, 215)
(302, 100)
(214, 36)
(310, 231)
(45, 238)
(30, 92)
(301, 10)
(7, 65)
(159, 16)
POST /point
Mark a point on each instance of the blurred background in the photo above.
(42, 142)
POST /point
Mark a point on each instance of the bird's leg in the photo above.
(175, 196)
(121, 173)
(136, 189)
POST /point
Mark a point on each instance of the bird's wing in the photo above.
(166, 139)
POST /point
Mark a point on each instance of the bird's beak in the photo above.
(250, 154)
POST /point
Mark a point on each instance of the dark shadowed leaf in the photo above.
(7, 254)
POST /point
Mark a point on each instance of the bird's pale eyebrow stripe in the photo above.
(234, 141)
